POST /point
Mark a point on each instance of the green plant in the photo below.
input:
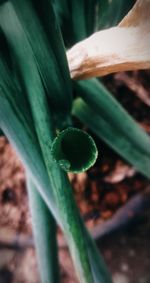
(36, 99)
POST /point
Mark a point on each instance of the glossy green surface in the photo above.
(110, 13)
(49, 53)
(44, 231)
(77, 19)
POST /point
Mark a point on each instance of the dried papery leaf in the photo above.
(138, 15)
(122, 48)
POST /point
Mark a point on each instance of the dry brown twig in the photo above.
(135, 86)
(122, 48)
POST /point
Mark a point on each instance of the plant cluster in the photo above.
(37, 103)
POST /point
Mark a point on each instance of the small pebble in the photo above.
(132, 253)
(124, 267)
(120, 278)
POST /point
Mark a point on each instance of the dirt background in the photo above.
(100, 193)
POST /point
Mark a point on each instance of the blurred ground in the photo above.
(100, 193)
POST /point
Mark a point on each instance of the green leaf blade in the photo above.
(21, 136)
(45, 233)
(43, 123)
(50, 60)
(100, 99)
(112, 12)
(114, 138)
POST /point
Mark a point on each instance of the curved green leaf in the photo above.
(103, 128)
(101, 100)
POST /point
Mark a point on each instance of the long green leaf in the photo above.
(45, 231)
(90, 15)
(49, 56)
(48, 19)
(99, 98)
(19, 130)
(112, 12)
(26, 148)
(77, 8)
(61, 9)
(14, 125)
(63, 14)
(44, 127)
(74, 19)
(112, 136)
(17, 124)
